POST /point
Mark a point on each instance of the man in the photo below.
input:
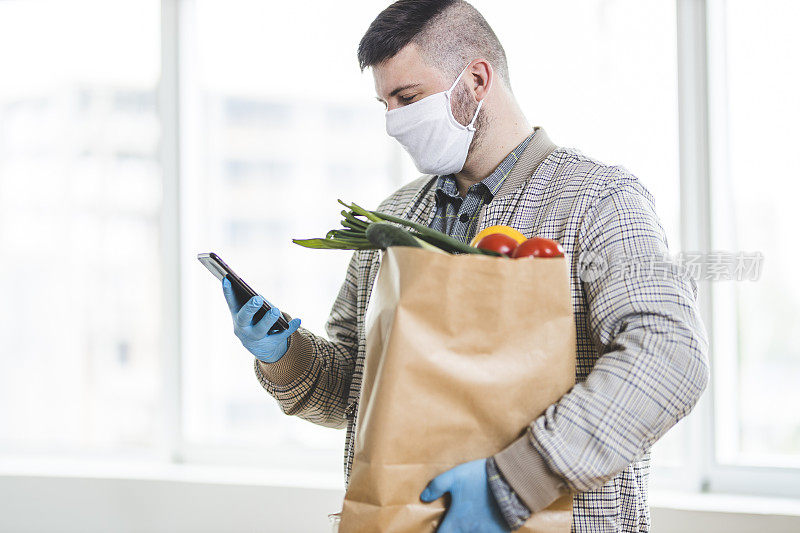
(441, 72)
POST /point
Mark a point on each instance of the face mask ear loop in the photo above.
(450, 90)
(472, 124)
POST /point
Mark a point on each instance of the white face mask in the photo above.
(430, 133)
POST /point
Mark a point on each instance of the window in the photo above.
(280, 127)
(576, 71)
(755, 83)
(276, 129)
(79, 226)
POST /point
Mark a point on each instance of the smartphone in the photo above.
(241, 290)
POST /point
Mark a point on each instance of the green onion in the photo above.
(437, 238)
(356, 220)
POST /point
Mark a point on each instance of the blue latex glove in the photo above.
(265, 347)
(472, 506)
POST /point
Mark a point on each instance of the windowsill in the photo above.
(276, 477)
(177, 472)
(724, 503)
(263, 476)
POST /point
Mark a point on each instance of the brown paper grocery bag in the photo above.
(463, 353)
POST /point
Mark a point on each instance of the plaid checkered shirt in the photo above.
(642, 351)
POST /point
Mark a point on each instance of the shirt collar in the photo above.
(446, 185)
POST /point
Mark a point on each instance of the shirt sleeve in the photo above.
(652, 361)
(312, 379)
(514, 512)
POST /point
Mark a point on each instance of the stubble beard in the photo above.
(464, 108)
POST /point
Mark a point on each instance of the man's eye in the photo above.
(407, 99)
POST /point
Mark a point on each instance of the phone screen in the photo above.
(241, 290)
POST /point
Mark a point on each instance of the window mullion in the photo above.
(170, 233)
(693, 132)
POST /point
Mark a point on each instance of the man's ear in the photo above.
(481, 74)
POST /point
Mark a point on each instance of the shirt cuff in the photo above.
(524, 468)
(513, 510)
(293, 364)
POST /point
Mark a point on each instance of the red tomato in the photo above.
(498, 242)
(538, 247)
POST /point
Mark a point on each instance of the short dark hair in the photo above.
(450, 32)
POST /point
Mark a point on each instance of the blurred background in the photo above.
(136, 133)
